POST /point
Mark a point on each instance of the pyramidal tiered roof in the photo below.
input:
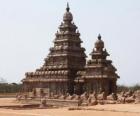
(65, 69)
(99, 74)
(66, 57)
(99, 66)
(99, 62)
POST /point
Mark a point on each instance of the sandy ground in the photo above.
(99, 110)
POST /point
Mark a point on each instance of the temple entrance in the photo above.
(78, 89)
(110, 87)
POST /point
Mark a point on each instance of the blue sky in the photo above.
(27, 29)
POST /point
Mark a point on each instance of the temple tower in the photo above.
(99, 75)
(66, 57)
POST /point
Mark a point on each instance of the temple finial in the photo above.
(68, 8)
(99, 36)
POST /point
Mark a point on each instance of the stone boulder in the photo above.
(137, 95)
(101, 96)
(112, 97)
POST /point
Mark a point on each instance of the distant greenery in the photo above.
(15, 87)
(2, 80)
(126, 88)
(10, 88)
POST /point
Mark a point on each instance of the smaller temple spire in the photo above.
(99, 36)
(99, 44)
(68, 8)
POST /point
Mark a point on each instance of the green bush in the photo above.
(126, 88)
(10, 88)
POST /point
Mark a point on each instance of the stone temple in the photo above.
(66, 70)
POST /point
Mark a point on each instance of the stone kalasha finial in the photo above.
(67, 16)
(99, 44)
(99, 36)
(68, 8)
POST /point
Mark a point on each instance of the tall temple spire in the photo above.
(99, 36)
(67, 15)
(64, 60)
(68, 8)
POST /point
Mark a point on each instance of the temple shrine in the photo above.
(99, 74)
(65, 69)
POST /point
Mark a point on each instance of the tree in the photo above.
(2, 80)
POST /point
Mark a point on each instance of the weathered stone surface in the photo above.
(101, 96)
(65, 76)
(63, 62)
(137, 94)
(99, 75)
(42, 103)
(113, 96)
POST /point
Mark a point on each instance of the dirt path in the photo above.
(99, 110)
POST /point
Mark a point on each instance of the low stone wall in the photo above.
(8, 95)
(54, 102)
(86, 99)
(58, 102)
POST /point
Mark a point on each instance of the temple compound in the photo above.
(65, 70)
